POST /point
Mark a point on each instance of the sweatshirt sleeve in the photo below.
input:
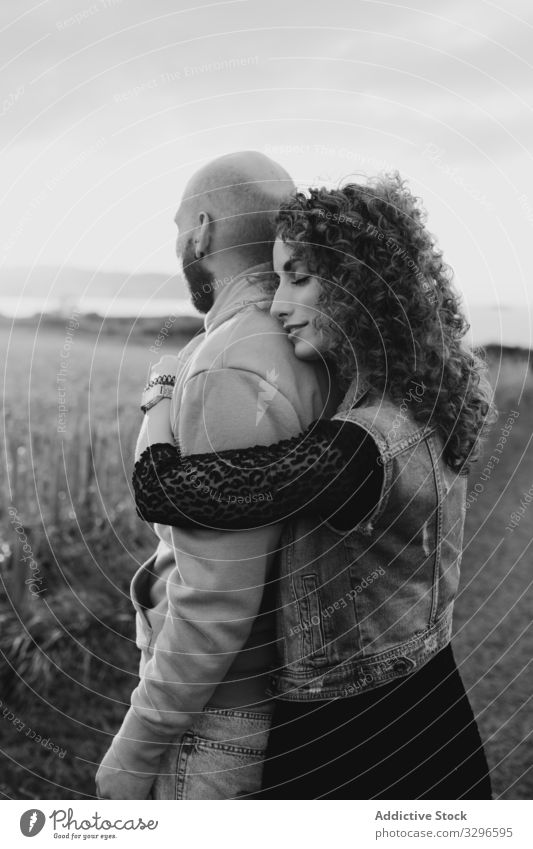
(215, 595)
(206, 624)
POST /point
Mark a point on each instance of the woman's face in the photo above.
(295, 304)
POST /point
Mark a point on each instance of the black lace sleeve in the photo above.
(331, 468)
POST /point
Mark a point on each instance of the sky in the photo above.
(108, 107)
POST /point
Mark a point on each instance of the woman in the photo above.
(370, 701)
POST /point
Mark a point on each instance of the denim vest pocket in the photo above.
(313, 648)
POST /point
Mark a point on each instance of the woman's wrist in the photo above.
(158, 423)
(160, 409)
(161, 383)
(163, 379)
(158, 389)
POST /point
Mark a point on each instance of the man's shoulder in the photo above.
(254, 344)
(253, 331)
(251, 340)
(185, 353)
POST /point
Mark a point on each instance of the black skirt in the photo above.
(414, 738)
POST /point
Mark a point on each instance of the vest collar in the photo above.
(358, 388)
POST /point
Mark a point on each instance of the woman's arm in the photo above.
(155, 428)
(331, 468)
(156, 425)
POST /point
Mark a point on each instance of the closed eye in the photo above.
(298, 280)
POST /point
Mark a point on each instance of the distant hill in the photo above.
(71, 283)
(119, 293)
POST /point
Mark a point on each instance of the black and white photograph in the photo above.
(267, 476)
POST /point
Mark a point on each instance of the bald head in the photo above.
(241, 193)
(227, 220)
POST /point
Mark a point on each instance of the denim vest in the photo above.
(360, 608)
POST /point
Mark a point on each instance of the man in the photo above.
(199, 718)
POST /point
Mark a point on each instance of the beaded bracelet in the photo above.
(164, 379)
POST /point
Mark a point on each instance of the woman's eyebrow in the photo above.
(288, 265)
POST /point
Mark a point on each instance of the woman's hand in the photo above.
(156, 424)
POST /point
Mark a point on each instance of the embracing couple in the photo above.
(304, 461)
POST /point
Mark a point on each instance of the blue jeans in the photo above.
(220, 757)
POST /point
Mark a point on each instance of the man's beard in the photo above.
(199, 279)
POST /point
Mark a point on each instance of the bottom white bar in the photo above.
(264, 825)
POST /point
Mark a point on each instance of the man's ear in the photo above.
(203, 234)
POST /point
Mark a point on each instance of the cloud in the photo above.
(115, 102)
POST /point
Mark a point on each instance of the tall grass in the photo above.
(67, 519)
(68, 660)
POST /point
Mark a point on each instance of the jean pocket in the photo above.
(214, 770)
(213, 760)
(198, 768)
(172, 767)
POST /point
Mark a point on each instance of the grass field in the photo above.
(68, 658)
(493, 615)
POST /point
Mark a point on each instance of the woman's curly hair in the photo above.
(389, 308)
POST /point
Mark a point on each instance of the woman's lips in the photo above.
(294, 328)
